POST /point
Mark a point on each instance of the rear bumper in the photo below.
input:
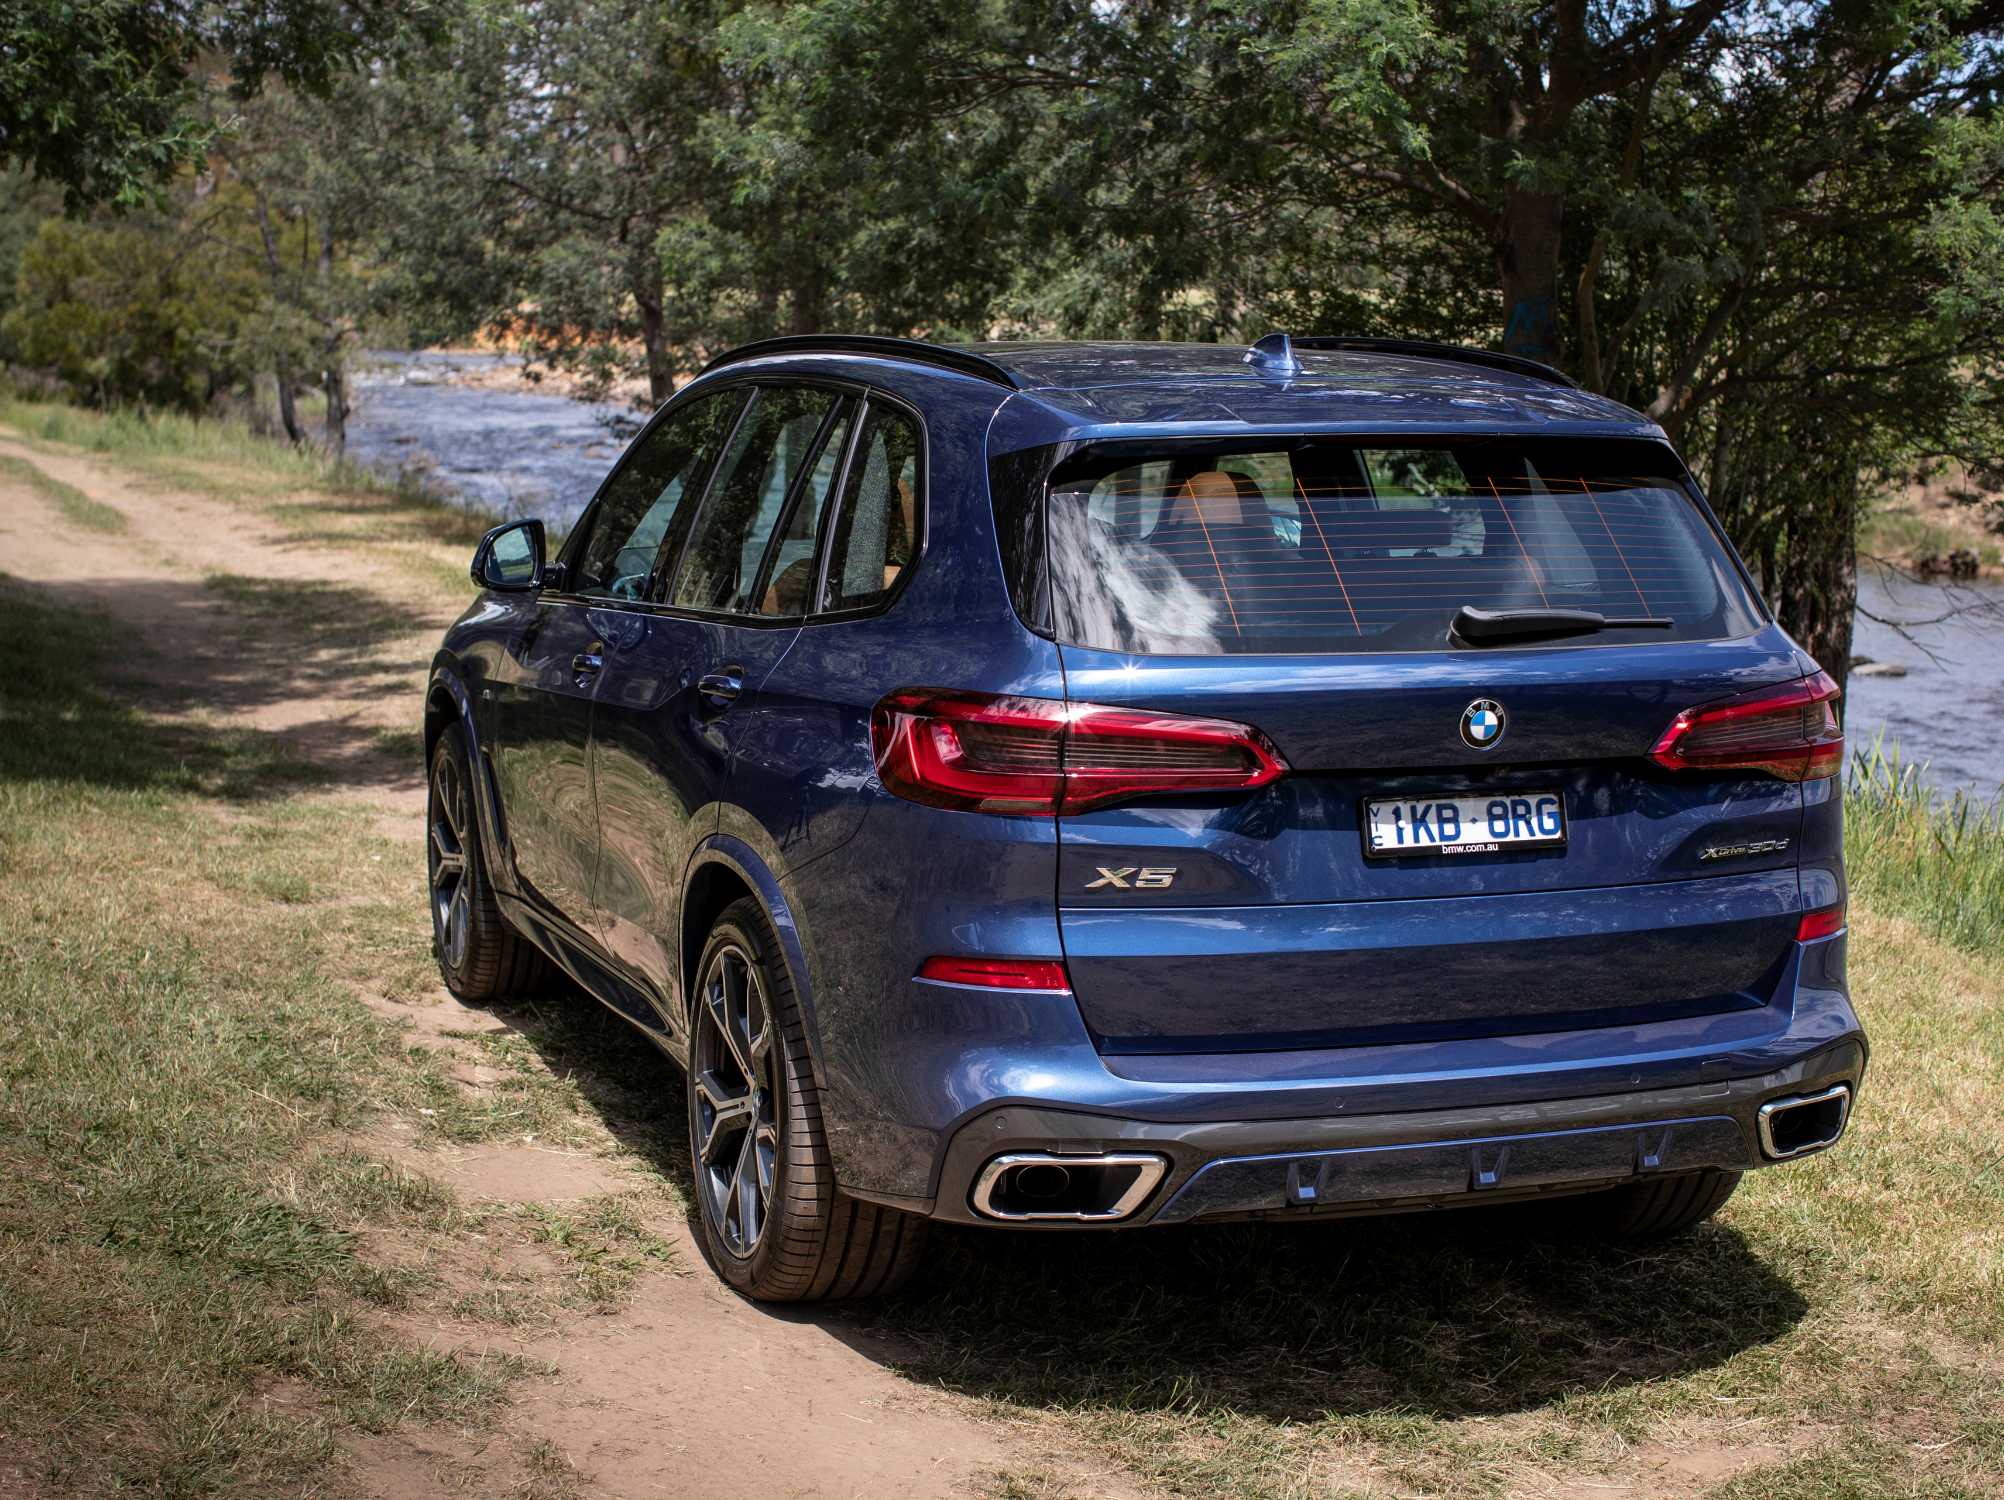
(1380, 1163)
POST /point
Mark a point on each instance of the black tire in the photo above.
(480, 956)
(775, 1226)
(1657, 1207)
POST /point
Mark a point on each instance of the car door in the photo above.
(686, 681)
(542, 750)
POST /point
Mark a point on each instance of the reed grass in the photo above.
(1933, 859)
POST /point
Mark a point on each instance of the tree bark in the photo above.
(334, 379)
(288, 407)
(654, 340)
(1527, 270)
(1816, 594)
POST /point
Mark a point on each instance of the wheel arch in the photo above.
(723, 870)
(447, 702)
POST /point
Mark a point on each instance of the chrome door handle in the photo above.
(722, 687)
(587, 663)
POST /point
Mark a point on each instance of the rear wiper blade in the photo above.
(1480, 627)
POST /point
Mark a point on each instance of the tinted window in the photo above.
(770, 449)
(1326, 547)
(791, 573)
(877, 529)
(645, 499)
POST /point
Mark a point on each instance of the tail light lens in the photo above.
(1825, 922)
(1788, 731)
(1038, 757)
(998, 973)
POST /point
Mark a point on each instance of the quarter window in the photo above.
(644, 502)
(877, 529)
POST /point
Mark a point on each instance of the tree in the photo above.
(105, 97)
(539, 153)
(133, 311)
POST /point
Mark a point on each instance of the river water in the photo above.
(1948, 710)
(514, 452)
(522, 453)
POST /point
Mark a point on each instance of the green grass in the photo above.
(1941, 862)
(178, 1044)
(77, 507)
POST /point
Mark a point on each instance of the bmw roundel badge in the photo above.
(1482, 724)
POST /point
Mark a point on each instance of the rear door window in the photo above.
(1339, 547)
(767, 454)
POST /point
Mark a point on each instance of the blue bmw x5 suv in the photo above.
(1107, 785)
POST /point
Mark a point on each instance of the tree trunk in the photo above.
(335, 383)
(333, 379)
(1527, 269)
(1815, 590)
(654, 340)
(288, 408)
(810, 295)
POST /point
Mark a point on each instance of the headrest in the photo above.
(1211, 497)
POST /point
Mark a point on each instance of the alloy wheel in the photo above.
(734, 1076)
(446, 857)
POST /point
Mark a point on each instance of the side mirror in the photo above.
(510, 557)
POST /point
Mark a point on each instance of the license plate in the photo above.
(1396, 826)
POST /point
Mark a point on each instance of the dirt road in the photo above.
(314, 623)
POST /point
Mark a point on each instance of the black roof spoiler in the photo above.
(873, 346)
(1427, 349)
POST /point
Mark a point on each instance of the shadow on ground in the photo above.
(1477, 1312)
(299, 665)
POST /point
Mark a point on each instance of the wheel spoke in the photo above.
(446, 869)
(725, 1000)
(723, 1112)
(750, 1201)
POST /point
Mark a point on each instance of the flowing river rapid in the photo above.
(525, 453)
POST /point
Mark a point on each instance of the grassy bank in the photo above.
(1939, 861)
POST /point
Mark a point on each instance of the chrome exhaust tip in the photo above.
(1091, 1188)
(1801, 1124)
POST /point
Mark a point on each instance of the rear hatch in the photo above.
(1471, 658)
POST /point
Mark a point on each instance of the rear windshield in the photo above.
(1327, 547)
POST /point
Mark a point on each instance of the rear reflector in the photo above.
(1038, 757)
(998, 973)
(1820, 924)
(1788, 731)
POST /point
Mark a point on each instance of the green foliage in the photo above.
(119, 316)
(104, 96)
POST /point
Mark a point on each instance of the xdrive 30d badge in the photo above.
(1075, 786)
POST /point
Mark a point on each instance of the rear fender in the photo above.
(735, 855)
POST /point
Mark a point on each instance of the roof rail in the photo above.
(875, 346)
(1426, 349)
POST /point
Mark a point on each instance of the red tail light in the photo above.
(1788, 731)
(998, 973)
(1820, 924)
(1037, 757)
